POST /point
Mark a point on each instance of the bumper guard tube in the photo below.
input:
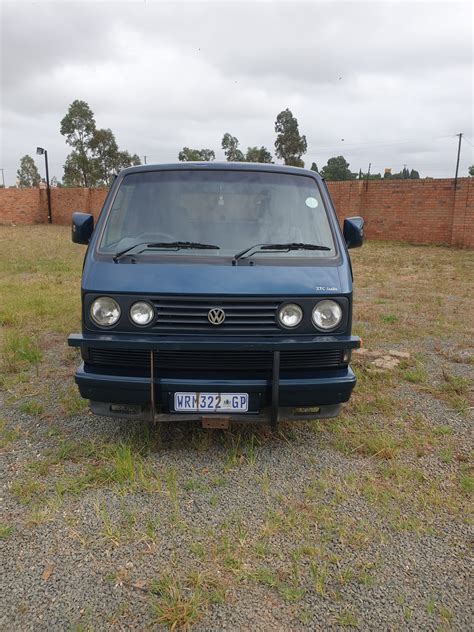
(322, 394)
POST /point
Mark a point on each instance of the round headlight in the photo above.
(290, 315)
(327, 315)
(142, 313)
(105, 311)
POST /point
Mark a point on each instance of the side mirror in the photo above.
(354, 232)
(82, 227)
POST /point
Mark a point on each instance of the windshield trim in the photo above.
(107, 255)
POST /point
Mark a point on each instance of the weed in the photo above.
(31, 408)
(416, 375)
(27, 491)
(446, 455)
(198, 549)
(265, 576)
(171, 484)
(454, 391)
(71, 402)
(466, 482)
(180, 603)
(445, 614)
(7, 435)
(319, 574)
(347, 619)
(194, 485)
(362, 437)
(20, 350)
(5, 531)
(430, 607)
(290, 593)
(250, 450)
(233, 456)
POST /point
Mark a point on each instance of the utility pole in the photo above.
(41, 151)
(3, 178)
(368, 176)
(144, 160)
(457, 161)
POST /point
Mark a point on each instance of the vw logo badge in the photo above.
(216, 316)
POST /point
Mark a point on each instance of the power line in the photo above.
(384, 142)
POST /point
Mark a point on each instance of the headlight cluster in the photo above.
(326, 315)
(105, 312)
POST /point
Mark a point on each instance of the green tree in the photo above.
(404, 174)
(95, 155)
(196, 155)
(314, 167)
(28, 174)
(230, 145)
(55, 183)
(368, 176)
(337, 169)
(105, 152)
(471, 170)
(290, 145)
(78, 127)
(73, 171)
(258, 154)
(106, 157)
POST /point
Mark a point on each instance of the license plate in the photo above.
(211, 402)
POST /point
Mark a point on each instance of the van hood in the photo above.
(194, 279)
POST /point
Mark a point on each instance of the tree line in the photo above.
(290, 146)
(95, 157)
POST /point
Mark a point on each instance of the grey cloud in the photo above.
(167, 75)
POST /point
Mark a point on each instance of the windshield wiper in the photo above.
(278, 248)
(168, 245)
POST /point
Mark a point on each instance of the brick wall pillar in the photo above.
(462, 233)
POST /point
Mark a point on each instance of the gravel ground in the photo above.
(277, 524)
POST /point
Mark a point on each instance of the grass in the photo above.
(7, 435)
(179, 603)
(5, 531)
(31, 407)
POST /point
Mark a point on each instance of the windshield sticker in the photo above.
(311, 202)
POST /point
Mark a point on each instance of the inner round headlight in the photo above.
(142, 313)
(105, 311)
(327, 315)
(290, 315)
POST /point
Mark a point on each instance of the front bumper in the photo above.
(318, 389)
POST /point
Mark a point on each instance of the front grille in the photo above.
(191, 316)
(216, 360)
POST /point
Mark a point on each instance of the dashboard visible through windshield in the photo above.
(233, 210)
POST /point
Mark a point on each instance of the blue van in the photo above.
(216, 292)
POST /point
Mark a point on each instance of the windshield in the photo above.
(231, 209)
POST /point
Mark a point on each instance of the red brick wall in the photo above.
(415, 211)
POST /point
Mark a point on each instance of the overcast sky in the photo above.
(386, 83)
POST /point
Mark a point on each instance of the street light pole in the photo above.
(39, 151)
(457, 160)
